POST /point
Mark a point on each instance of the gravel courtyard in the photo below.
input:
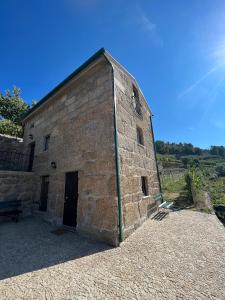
(180, 257)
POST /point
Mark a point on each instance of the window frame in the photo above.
(140, 136)
(46, 142)
(136, 101)
(144, 186)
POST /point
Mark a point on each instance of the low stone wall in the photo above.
(19, 186)
(10, 143)
(201, 199)
(12, 157)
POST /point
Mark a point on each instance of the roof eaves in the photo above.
(114, 61)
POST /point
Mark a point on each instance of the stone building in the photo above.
(90, 142)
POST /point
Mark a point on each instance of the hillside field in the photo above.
(173, 169)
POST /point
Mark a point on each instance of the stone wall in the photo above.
(136, 160)
(79, 119)
(10, 143)
(201, 198)
(19, 186)
(11, 154)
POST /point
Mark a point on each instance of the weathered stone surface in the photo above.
(11, 153)
(19, 186)
(135, 160)
(9, 143)
(79, 120)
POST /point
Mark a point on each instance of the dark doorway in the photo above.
(44, 193)
(31, 157)
(71, 197)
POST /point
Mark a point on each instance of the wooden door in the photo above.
(71, 198)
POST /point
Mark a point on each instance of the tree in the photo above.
(185, 161)
(214, 150)
(160, 147)
(12, 110)
(195, 163)
(217, 150)
(188, 149)
(220, 170)
(10, 128)
(198, 151)
(221, 151)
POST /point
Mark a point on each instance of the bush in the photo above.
(188, 185)
(220, 170)
(195, 177)
(185, 161)
(195, 163)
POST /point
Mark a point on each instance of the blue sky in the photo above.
(175, 49)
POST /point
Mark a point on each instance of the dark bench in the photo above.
(10, 209)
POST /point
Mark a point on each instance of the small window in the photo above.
(140, 138)
(144, 185)
(46, 142)
(136, 101)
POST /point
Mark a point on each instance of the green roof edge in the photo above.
(67, 79)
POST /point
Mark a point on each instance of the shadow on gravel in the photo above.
(30, 245)
(183, 201)
(160, 216)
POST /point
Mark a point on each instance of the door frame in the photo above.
(74, 196)
(31, 157)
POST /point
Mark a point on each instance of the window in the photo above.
(136, 101)
(144, 185)
(140, 138)
(46, 142)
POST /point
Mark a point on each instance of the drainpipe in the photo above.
(117, 162)
(153, 139)
(117, 158)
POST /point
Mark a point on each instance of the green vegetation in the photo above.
(10, 128)
(197, 189)
(206, 171)
(216, 189)
(173, 186)
(194, 177)
(187, 149)
(175, 189)
(12, 110)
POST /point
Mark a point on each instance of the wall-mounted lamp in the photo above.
(53, 164)
(31, 136)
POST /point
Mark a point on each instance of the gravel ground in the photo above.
(180, 257)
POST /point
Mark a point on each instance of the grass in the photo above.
(174, 189)
(173, 184)
(216, 188)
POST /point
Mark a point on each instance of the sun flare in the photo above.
(219, 53)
